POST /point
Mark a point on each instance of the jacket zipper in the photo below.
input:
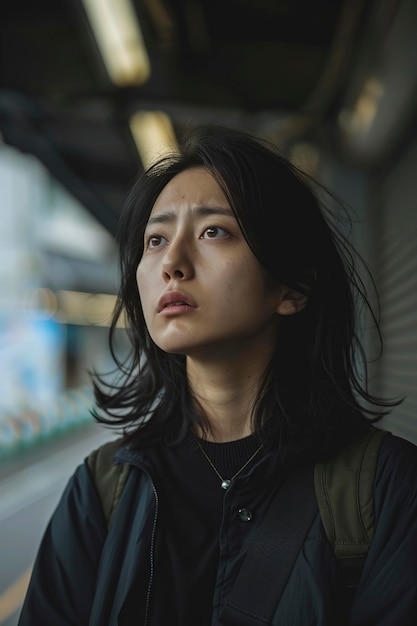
(153, 535)
(151, 556)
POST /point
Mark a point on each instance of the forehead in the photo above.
(188, 189)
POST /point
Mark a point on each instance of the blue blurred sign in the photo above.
(31, 361)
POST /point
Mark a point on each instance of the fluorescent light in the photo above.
(153, 134)
(365, 110)
(76, 307)
(119, 38)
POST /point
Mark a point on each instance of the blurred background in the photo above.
(90, 92)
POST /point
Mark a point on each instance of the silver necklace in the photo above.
(225, 482)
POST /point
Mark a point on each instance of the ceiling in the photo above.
(262, 65)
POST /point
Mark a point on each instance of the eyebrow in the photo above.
(200, 211)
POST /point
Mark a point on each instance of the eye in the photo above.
(154, 241)
(215, 232)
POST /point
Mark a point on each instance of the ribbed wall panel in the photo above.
(392, 254)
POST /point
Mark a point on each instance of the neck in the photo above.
(226, 394)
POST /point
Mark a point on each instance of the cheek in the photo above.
(142, 285)
(258, 289)
(139, 279)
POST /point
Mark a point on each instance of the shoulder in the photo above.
(107, 474)
(398, 456)
(104, 456)
(387, 591)
(396, 472)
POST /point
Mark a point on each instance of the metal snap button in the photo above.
(245, 515)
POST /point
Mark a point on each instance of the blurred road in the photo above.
(30, 487)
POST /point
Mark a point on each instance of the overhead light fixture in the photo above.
(153, 134)
(119, 38)
(360, 119)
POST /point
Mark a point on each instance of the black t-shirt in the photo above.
(189, 520)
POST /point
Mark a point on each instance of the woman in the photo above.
(241, 299)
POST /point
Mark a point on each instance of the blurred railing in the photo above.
(27, 428)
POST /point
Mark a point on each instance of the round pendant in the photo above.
(225, 484)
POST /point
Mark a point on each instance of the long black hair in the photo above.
(315, 387)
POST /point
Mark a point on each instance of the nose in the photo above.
(177, 262)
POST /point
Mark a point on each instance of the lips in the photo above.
(174, 298)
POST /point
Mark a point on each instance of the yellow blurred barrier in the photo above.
(12, 598)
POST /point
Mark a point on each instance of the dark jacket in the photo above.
(84, 575)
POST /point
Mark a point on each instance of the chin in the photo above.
(191, 346)
(172, 347)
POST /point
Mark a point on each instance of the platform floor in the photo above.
(30, 486)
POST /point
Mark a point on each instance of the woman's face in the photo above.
(203, 292)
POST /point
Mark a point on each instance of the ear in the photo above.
(291, 302)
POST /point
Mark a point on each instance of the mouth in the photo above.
(177, 303)
(175, 300)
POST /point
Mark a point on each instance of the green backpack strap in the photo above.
(344, 491)
(109, 477)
